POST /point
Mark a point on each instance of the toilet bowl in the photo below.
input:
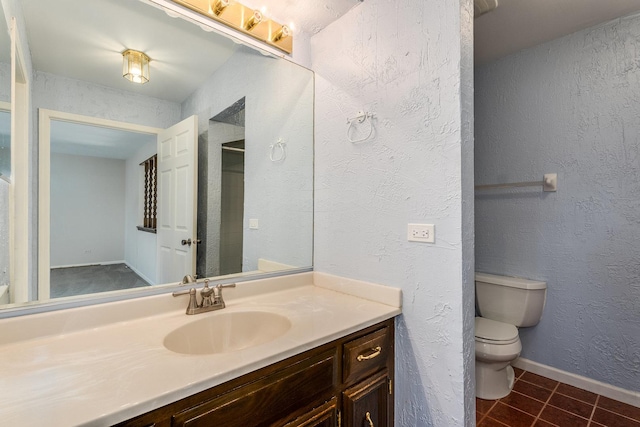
(497, 344)
(503, 303)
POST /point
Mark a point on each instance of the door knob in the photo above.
(186, 242)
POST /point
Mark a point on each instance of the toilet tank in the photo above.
(510, 299)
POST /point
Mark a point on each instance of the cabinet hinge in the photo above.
(390, 386)
(339, 418)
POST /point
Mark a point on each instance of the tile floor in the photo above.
(542, 402)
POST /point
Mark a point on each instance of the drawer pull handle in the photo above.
(368, 417)
(375, 352)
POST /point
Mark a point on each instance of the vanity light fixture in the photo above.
(254, 19)
(282, 33)
(135, 66)
(216, 7)
(252, 22)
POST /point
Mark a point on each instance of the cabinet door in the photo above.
(324, 416)
(269, 399)
(366, 404)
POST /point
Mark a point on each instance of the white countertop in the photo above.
(88, 366)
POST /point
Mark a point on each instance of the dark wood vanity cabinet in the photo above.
(345, 383)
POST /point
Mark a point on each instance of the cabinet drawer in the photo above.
(365, 355)
(269, 399)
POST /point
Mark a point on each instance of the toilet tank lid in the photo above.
(514, 282)
(495, 331)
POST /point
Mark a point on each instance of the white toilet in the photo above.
(503, 303)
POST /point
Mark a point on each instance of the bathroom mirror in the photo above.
(253, 120)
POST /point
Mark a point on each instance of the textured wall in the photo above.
(279, 104)
(570, 106)
(402, 60)
(75, 96)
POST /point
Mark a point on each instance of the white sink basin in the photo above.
(224, 332)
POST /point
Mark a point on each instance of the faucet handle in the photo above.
(193, 300)
(217, 294)
(187, 279)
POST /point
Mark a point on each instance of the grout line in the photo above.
(481, 419)
(545, 405)
(593, 411)
(487, 413)
(575, 398)
(620, 415)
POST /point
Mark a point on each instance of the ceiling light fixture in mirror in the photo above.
(135, 66)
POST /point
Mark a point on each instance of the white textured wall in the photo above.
(570, 106)
(279, 104)
(407, 62)
(89, 99)
(87, 210)
(140, 246)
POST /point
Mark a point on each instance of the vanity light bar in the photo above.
(244, 19)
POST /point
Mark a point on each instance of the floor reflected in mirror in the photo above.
(90, 279)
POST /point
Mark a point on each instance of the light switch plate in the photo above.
(424, 233)
(253, 224)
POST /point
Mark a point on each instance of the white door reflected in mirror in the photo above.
(177, 204)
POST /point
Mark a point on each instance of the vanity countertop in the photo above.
(106, 365)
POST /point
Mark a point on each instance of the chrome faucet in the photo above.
(210, 298)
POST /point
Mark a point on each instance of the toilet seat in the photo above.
(493, 332)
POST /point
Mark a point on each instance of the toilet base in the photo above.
(493, 380)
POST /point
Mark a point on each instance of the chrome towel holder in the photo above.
(549, 183)
(360, 118)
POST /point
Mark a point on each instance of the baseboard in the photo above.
(88, 264)
(142, 276)
(598, 387)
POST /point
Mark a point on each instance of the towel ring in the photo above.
(274, 151)
(360, 118)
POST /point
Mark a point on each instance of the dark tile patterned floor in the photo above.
(542, 402)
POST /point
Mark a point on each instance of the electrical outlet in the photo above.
(425, 233)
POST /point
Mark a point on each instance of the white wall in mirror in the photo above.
(277, 194)
(87, 210)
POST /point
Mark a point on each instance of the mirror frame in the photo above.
(21, 86)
